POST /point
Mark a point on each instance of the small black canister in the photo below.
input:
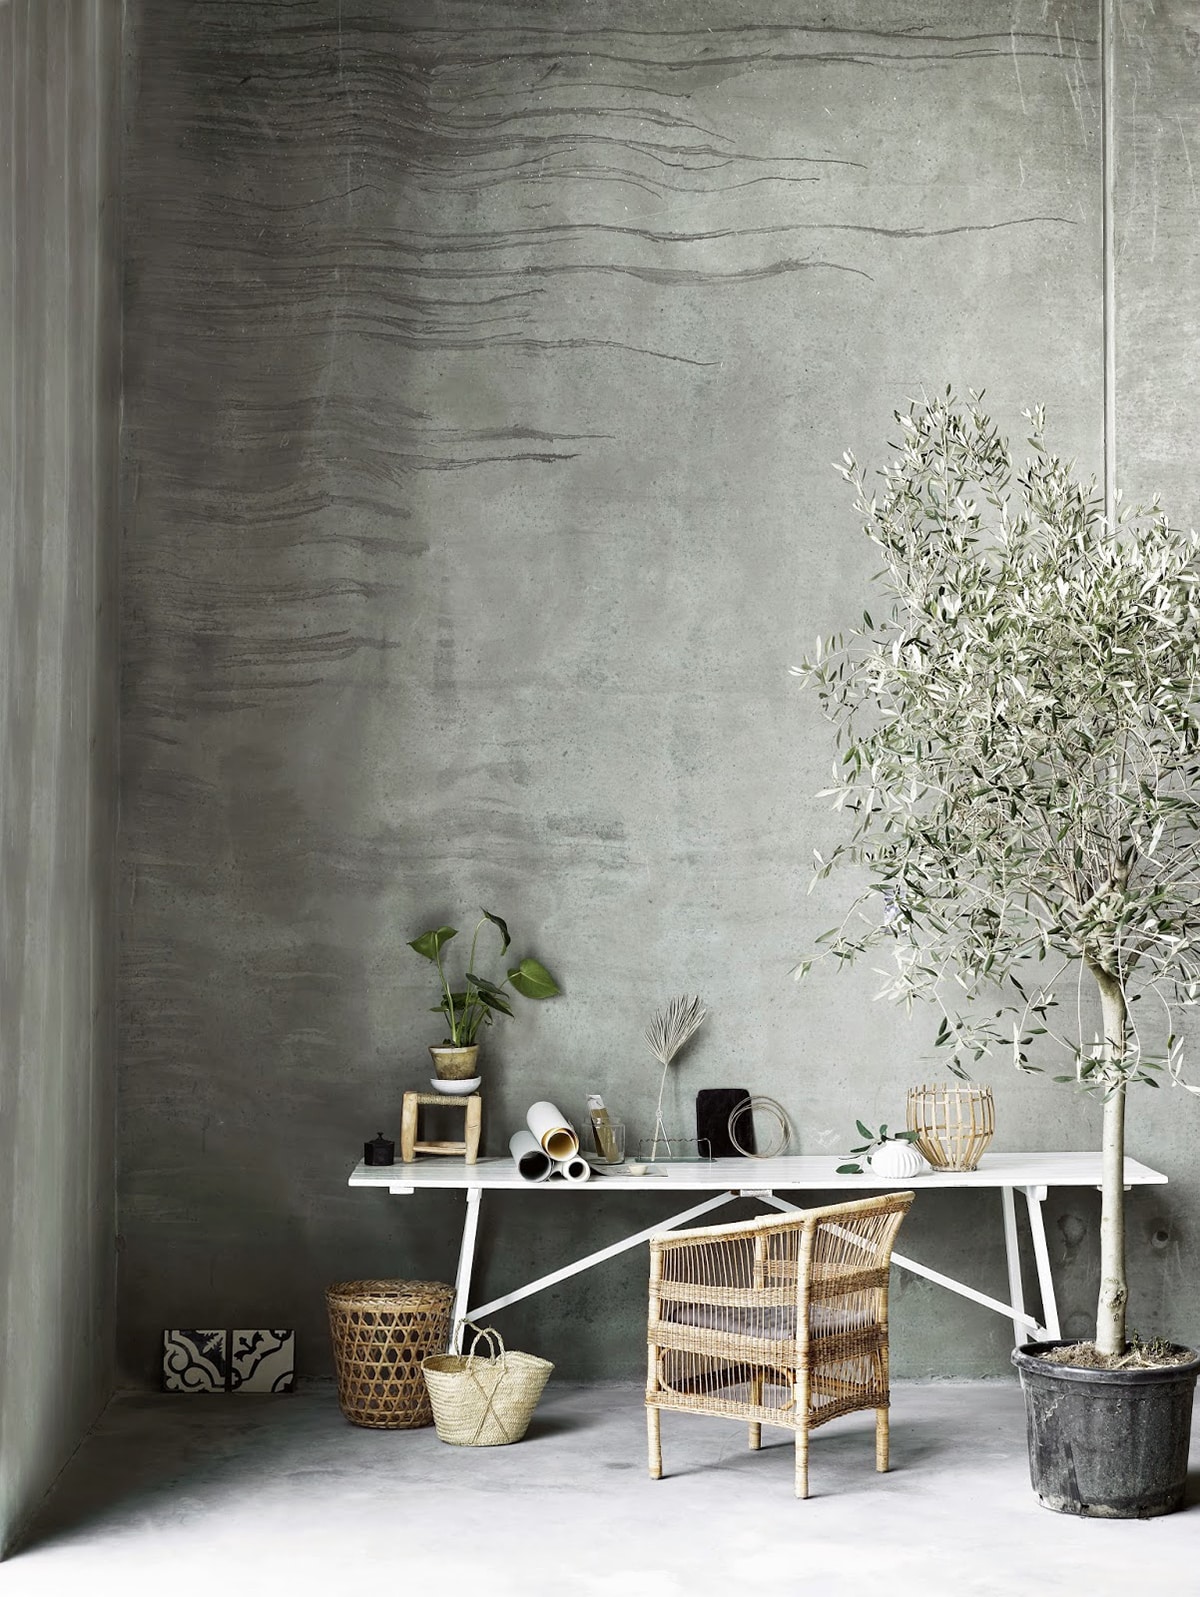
(381, 1151)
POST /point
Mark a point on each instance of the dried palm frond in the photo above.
(666, 1034)
(673, 1026)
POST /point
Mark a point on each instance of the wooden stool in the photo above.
(415, 1101)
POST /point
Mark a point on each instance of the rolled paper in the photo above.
(574, 1169)
(552, 1131)
(532, 1164)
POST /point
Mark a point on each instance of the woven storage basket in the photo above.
(381, 1331)
(484, 1402)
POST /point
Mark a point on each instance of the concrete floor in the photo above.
(280, 1495)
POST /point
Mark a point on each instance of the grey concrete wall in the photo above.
(59, 415)
(1156, 329)
(485, 365)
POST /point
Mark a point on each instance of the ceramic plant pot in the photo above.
(454, 1064)
(897, 1161)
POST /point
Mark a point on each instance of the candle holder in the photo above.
(953, 1124)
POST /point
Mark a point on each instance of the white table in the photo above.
(1030, 1174)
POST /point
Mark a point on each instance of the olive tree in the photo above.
(1018, 756)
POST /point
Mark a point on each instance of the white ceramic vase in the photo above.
(897, 1161)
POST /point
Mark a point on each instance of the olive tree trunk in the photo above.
(1114, 1290)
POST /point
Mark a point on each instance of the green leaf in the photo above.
(482, 983)
(429, 944)
(532, 980)
(490, 1000)
(496, 921)
(849, 1170)
(864, 1131)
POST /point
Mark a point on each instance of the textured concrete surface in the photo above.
(282, 1495)
(1157, 240)
(1156, 234)
(484, 368)
(59, 377)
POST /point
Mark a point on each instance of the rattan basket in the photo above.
(953, 1124)
(381, 1332)
(484, 1401)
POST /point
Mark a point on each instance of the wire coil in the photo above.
(767, 1106)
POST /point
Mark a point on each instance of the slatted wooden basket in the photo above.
(484, 1401)
(381, 1331)
(953, 1124)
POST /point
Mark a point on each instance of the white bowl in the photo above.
(455, 1089)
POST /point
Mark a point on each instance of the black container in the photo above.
(381, 1151)
(1107, 1444)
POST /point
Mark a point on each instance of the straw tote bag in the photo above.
(484, 1401)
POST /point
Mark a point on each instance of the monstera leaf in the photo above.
(430, 944)
(532, 980)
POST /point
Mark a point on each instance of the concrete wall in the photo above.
(485, 365)
(59, 414)
(1156, 347)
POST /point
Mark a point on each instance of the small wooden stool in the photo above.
(415, 1101)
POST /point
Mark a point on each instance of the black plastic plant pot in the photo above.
(1107, 1444)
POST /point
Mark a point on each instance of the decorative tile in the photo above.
(262, 1361)
(195, 1361)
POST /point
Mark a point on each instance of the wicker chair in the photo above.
(775, 1321)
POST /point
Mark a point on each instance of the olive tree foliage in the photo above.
(1019, 761)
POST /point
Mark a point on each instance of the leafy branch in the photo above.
(1017, 753)
(875, 1139)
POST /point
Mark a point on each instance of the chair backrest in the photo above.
(836, 1256)
(845, 1262)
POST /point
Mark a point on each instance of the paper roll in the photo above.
(573, 1169)
(532, 1164)
(552, 1131)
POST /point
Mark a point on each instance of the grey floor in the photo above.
(264, 1495)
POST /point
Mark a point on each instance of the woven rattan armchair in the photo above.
(775, 1321)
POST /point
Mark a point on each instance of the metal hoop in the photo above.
(767, 1106)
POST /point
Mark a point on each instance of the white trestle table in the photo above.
(1029, 1174)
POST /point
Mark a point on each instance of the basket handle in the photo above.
(488, 1335)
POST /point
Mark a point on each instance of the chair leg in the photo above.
(881, 1440)
(755, 1437)
(654, 1439)
(801, 1461)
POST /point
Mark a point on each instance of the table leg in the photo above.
(1028, 1325)
(1016, 1289)
(1034, 1198)
(466, 1258)
(484, 1310)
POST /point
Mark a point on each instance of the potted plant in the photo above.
(474, 1004)
(889, 1154)
(1019, 756)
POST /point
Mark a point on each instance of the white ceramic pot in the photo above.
(897, 1161)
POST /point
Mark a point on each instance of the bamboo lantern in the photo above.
(953, 1124)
